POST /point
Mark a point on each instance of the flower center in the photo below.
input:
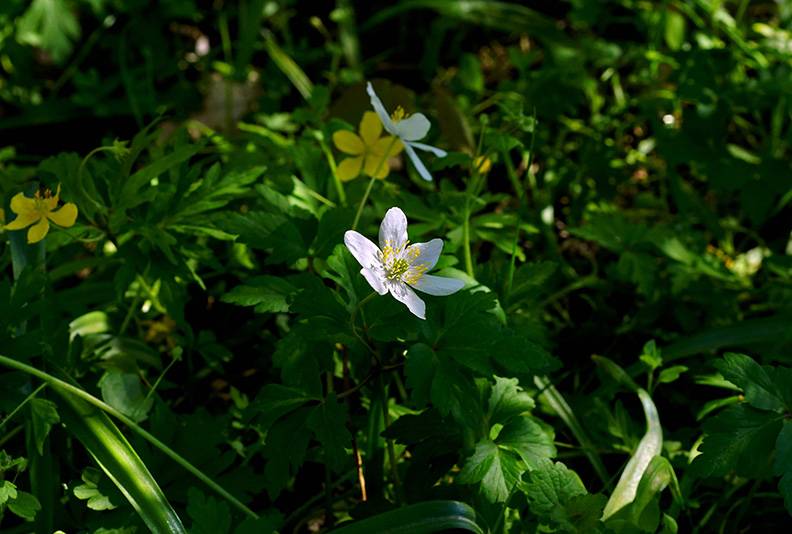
(399, 269)
(399, 114)
(42, 206)
(396, 269)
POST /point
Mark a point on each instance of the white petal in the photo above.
(365, 252)
(412, 128)
(425, 254)
(419, 166)
(438, 285)
(407, 296)
(439, 152)
(376, 103)
(376, 279)
(393, 230)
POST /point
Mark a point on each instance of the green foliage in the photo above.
(615, 198)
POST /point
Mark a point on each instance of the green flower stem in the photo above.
(333, 168)
(59, 384)
(466, 240)
(371, 182)
(363, 203)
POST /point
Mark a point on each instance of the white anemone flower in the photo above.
(409, 129)
(397, 266)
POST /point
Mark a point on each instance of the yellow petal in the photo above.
(379, 148)
(52, 202)
(348, 142)
(23, 220)
(376, 167)
(38, 231)
(370, 128)
(21, 204)
(349, 168)
(65, 216)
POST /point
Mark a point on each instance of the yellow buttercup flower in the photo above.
(40, 210)
(368, 149)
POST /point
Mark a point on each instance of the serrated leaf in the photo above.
(755, 380)
(209, 515)
(508, 400)
(528, 439)
(276, 400)
(269, 294)
(44, 414)
(550, 486)
(285, 447)
(740, 438)
(328, 422)
(497, 470)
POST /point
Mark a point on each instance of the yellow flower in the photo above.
(40, 210)
(483, 164)
(368, 149)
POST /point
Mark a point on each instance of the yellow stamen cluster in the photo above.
(398, 114)
(400, 268)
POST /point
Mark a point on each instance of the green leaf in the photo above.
(275, 401)
(756, 381)
(674, 29)
(7, 491)
(285, 447)
(209, 515)
(90, 491)
(651, 355)
(496, 469)
(550, 486)
(528, 439)
(651, 445)
(44, 414)
(420, 518)
(51, 25)
(124, 392)
(120, 462)
(741, 439)
(25, 506)
(328, 422)
(507, 400)
(269, 294)
(783, 463)
(670, 374)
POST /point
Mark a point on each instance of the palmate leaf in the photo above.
(498, 464)
(496, 469)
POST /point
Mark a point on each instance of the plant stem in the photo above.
(22, 404)
(59, 384)
(371, 182)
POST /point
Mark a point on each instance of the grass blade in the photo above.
(420, 518)
(120, 462)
